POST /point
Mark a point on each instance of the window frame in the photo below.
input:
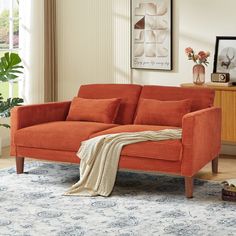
(11, 47)
(11, 29)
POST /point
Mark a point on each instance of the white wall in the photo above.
(94, 39)
(93, 43)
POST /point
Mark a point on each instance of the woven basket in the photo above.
(228, 195)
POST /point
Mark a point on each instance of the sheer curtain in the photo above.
(38, 50)
(32, 50)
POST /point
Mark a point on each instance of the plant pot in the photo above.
(198, 74)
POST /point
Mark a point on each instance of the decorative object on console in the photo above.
(198, 70)
(220, 77)
(151, 34)
(225, 56)
(198, 74)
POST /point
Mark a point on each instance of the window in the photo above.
(9, 38)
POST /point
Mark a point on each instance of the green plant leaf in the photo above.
(5, 125)
(16, 71)
(10, 69)
(9, 65)
(6, 106)
(18, 67)
(7, 56)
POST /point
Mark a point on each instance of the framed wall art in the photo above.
(151, 34)
(225, 56)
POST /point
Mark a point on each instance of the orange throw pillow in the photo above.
(155, 112)
(96, 110)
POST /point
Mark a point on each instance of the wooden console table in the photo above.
(225, 97)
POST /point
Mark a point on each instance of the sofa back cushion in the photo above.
(128, 93)
(201, 97)
(95, 110)
(168, 113)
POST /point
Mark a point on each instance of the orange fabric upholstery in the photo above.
(42, 132)
(155, 112)
(128, 93)
(126, 162)
(163, 150)
(25, 116)
(201, 139)
(130, 128)
(96, 110)
(147, 164)
(201, 97)
(60, 135)
(49, 155)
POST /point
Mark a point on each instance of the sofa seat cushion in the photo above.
(60, 135)
(170, 150)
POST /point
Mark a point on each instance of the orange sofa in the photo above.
(42, 131)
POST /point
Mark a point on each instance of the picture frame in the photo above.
(225, 56)
(151, 34)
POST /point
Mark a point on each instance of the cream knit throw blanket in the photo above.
(100, 157)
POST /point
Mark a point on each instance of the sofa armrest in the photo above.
(201, 139)
(25, 116)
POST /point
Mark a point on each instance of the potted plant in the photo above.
(10, 69)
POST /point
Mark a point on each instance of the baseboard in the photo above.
(228, 149)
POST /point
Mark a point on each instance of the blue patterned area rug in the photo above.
(141, 204)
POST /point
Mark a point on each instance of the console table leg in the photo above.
(214, 165)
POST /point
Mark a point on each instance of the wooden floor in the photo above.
(227, 167)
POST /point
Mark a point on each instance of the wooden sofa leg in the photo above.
(214, 165)
(20, 165)
(188, 187)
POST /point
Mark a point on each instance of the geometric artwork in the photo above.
(140, 24)
(225, 56)
(151, 36)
